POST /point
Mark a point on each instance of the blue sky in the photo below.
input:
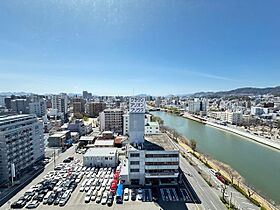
(158, 47)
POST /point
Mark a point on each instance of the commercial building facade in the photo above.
(111, 120)
(60, 103)
(21, 144)
(38, 108)
(20, 106)
(94, 108)
(153, 166)
(101, 157)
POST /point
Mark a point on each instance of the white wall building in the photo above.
(151, 128)
(111, 120)
(60, 103)
(101, 157)
(258, 110)
(21, 143)
(38, 108)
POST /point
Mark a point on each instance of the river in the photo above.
(259, 165)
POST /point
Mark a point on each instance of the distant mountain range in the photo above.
(246, 91)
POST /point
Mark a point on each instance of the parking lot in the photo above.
(73, 186)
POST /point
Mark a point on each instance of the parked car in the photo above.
(33, 204)
(126, 194)
(104, 198)
(18, 204)
(133, 195)
(87, 198)
(110, 199)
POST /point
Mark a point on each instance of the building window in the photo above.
(134, 154)
(134, 170)
(161, 155)
(134, 162)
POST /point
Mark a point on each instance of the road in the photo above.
(207, 193)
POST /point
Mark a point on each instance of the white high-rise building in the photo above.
(136, 120)
(60, 103)
(21, 144)
(38, 108)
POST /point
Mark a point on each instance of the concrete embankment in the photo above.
(246, 135)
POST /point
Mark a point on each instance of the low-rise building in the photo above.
(60, 139)
(152, 128)
(104, 143)
(156, 162)
(101, 157)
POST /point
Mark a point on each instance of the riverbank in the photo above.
(243, 134)
(246, 135)
(194, 118)
(236, 183)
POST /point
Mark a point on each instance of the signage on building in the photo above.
(137, 105)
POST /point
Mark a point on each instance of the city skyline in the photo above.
(122, 48)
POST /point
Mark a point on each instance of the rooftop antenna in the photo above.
(133, 92)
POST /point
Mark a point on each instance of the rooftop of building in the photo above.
(9, 118)
(113, 110)
(87, 138)
(157, 142)
(60, 133)
(101, 151)
(152, 124)
(107, 142)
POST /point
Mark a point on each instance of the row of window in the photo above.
(161, 171)
(161, 163)
(161, 155)
(134, 154)
(134, 170)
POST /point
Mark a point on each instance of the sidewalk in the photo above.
(258, 139)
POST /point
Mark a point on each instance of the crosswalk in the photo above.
(175, 195)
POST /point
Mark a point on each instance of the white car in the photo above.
(139, 197)
(82, 189)
(126, 194)
(104, 198)
(33, 204)
(87, 199)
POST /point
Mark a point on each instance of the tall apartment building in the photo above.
(20, 106)
(198, 106)
(111, 120)
(94, 108)
(21, 144)
(87, 95)
(38, 107)
(78, 105)
(60, 103)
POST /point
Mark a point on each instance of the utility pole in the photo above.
(54, 158)
(230, 199)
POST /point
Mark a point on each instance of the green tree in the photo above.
(193, 144)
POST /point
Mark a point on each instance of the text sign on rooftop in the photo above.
(137, 105)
